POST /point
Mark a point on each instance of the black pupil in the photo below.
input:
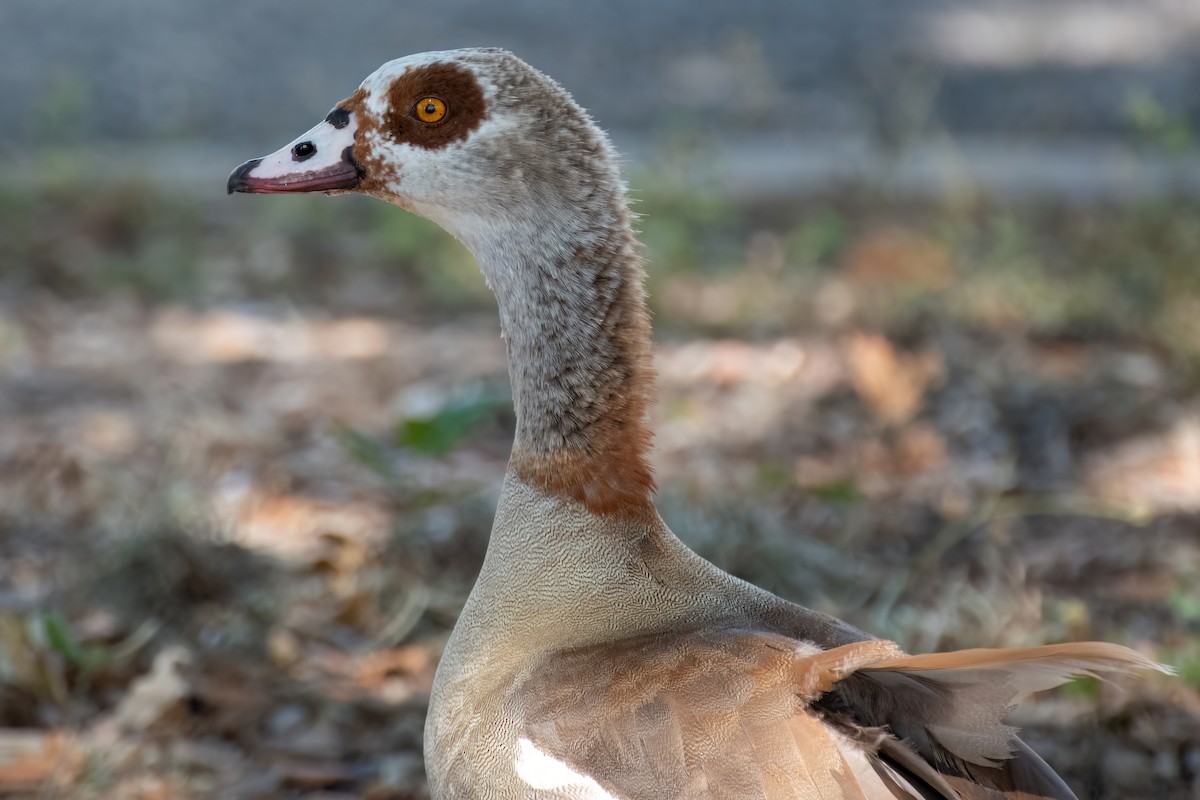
(304, 149)
(430, 109)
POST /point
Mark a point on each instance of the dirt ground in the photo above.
(249, 453)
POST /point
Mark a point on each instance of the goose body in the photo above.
(597, 656)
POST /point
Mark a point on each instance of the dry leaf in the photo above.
(399, 672)
(1158, 472)
(313, 774)
(155, 695)
(891, 383)
(30, 758)
(283, 647)
(897, 256)
(921, 448)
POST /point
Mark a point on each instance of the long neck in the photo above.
(573, 314)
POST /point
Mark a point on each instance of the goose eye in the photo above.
(430, 109)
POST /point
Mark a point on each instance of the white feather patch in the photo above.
(542, 771)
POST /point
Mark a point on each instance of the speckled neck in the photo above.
(572, 309)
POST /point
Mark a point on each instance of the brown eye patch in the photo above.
(464, 106)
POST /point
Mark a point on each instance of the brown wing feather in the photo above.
(747, 714)
(898, 756)
(1024, 776)
(705, 715)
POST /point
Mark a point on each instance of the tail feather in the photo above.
(1030, 669)
(949, 708)
(974, 689)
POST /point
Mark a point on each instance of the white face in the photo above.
(319, 160)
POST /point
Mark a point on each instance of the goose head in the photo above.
(466, 138)
(502, 158)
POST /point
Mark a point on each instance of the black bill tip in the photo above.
(237, 179)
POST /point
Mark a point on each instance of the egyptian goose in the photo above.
(597, 656)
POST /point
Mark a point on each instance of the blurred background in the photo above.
(926, 283)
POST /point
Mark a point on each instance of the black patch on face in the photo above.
(348, 156)
(338, 118)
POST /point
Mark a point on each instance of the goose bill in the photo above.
(321, 160)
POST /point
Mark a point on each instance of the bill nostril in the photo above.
(304, 151)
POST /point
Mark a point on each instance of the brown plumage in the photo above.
(599, 657)
(739, 713)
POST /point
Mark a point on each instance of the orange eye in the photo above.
(430, 109)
